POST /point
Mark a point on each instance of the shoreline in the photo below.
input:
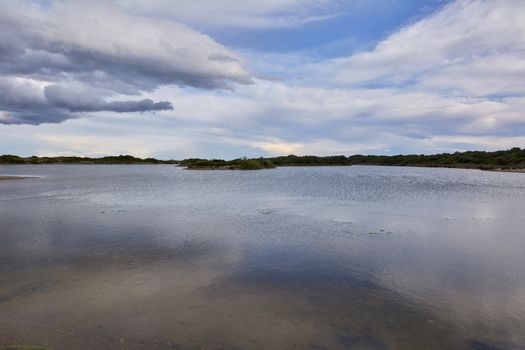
(15, 177)
(224, 168)
(237, 167)
(508, 170)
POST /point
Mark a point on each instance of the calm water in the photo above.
(156, 257)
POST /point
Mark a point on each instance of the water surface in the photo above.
(156, 257)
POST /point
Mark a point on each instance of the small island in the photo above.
(220, 164)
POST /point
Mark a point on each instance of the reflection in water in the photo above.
(154, 257)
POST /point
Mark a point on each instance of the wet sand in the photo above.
(192, 307)
(510, 170)
(10, 177)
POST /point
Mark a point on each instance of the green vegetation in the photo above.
(509, 159)
(504, 160)
(219, 164)
(293, 160)
(10, 159)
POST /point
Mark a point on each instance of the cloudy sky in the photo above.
(229, 78)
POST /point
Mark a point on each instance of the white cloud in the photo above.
(470, 47)
(247, 13)
(277, 118)
(107, 51)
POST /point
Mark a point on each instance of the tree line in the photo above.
(122, 159)
(507, 159)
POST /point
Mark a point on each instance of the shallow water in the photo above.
(156, 257)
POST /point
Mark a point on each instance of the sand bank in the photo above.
(12, 177)
(509, 170)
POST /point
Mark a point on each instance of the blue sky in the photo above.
(356, 26)
(224, 79)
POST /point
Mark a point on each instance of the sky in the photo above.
(227, 78)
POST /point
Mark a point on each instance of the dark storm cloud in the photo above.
(71, 57)
(79, 98)
(23, 102)
(135, 106)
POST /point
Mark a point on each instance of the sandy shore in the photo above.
(11, 177)
(509, 170)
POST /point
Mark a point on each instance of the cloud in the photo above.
(81, 98)
(109, 52)
(276, 118)
(453, 80)
(254, 14)
(470, 48)
(26, 101)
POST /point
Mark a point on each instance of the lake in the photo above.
(158, 257)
